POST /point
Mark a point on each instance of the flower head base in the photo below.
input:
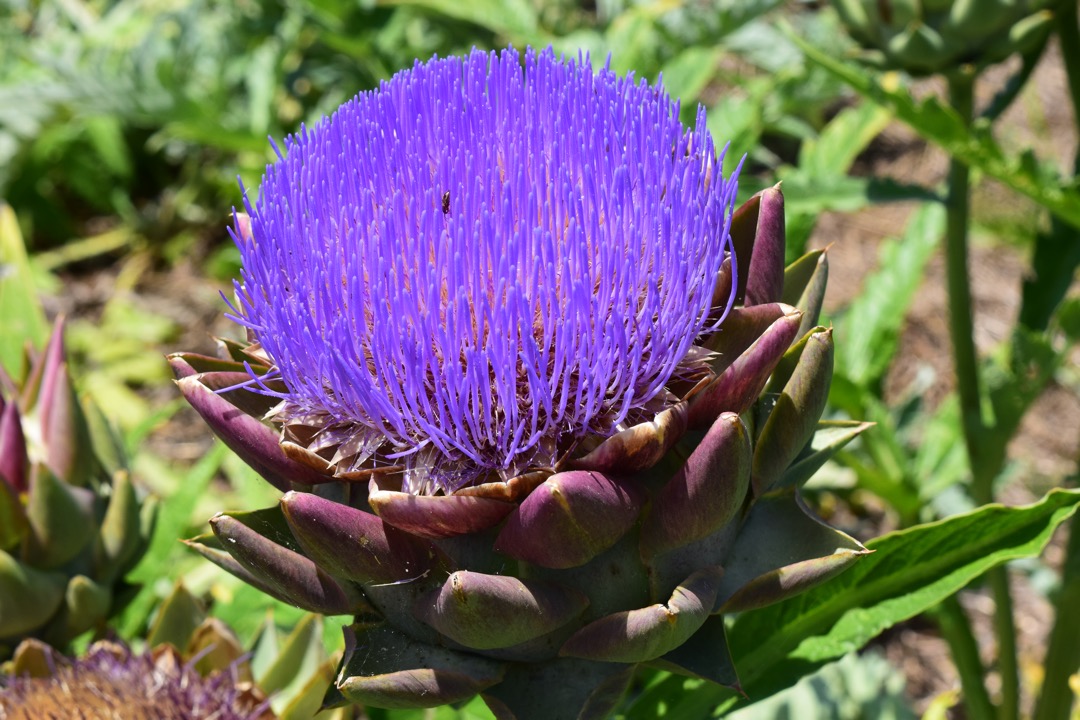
(479, 264)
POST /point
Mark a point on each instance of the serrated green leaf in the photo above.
(1013, 383)
(176, 515)
(941, 459)
(857, 686)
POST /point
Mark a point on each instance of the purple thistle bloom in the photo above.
(478, 264)
(110, 681)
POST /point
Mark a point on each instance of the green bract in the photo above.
(940, 35)
(544, 592)
(71, 522)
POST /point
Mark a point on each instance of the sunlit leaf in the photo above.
(872, 324)
(908, 572)
(21, 317)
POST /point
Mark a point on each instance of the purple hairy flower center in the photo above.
(480, 262)
(112, 682)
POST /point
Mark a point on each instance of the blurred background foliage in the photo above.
(124, 125)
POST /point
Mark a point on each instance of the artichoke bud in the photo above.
(934, 36)
(193, 664)
(69, 529)
(523, 477)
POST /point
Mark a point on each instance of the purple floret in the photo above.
(478, 262)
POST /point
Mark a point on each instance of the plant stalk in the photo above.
(966, 364)
(964, 650)
(1063, 654)
(1063, 651)
(1068, 30)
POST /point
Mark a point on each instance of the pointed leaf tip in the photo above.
(765, 275)
(794, 417)
(706, 492)
(253, 441)
(386, 668)
(737, 387)
(355, 544)
(290, 573)
(13, 457)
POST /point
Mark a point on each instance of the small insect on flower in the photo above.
(446, 203)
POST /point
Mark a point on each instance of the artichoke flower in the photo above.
(940, 35)
(72, 524)
(193, 667)
(539, 398)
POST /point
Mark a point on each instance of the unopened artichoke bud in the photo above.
(539, 396)
(934, 36)
(72, 523)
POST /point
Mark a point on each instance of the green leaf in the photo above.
(841, 141)
(855, 687)
(513, 19)
(941, 459)
(738, 120)
(21, 317)
(688, 73)
(871, 327)
(1013, 383)
(173, 519)
(943, 126)
(1053, 265)
(908, 572)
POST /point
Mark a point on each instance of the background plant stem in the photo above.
(1063, 650)
(965, 361)
(1069, 33)
(1063, 654)
(965, 655)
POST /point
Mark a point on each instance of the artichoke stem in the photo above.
(1063, 653)
(965, 361)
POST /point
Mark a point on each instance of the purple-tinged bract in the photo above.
(481, 261)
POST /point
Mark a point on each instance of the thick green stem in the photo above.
(1063, 654)
(1068, 29)
(965, 359)
(965, 654)
(1005, 630)
(961, 325)
(1063, 651)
